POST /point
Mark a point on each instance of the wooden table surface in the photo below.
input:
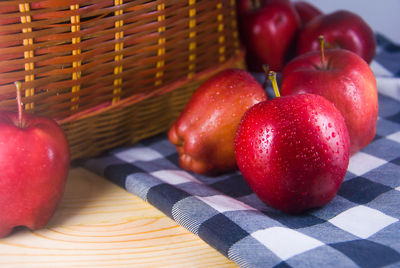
(99, 224)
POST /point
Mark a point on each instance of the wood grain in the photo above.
(98, 224)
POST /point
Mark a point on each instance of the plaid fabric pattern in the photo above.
(359, 228)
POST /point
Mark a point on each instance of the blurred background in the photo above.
(382, 16)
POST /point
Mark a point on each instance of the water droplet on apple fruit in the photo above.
(333, 134)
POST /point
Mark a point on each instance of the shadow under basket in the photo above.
(112, 72)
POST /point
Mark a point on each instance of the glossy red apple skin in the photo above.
(34, 163)
(205, 131)
(245, 7)
(347, 81)
(268, 33)
(293, 151)
(341, 29)
(306, 11)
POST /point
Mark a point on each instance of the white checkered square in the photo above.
(362, 221)
(285, 242)
(138, 154)
(223, 203)
(174, 177)
(394, 137)
(361, 163)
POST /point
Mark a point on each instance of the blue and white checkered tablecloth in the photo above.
(359, 228)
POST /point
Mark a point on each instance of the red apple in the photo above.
(306, 11)
(205, 130)
(34, 163)
(267, 32)
(293, 151)
(343, 78)
(342, 29)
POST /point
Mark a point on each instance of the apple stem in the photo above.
(19, 103)
(321, 39)
(272, 77)
(266, 71)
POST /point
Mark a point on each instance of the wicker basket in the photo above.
(112, 71)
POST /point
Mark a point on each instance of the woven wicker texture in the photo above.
(112, 71)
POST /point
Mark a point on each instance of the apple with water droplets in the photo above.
(345, 79)
(293, 151)
(205, 131)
